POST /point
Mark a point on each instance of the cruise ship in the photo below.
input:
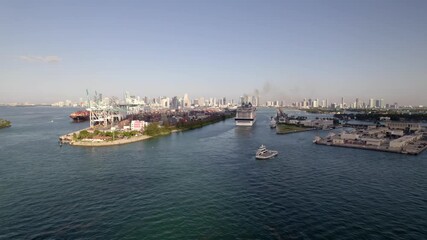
(245, 115)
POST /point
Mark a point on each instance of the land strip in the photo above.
(290, 128)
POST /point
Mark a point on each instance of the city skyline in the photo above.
(187, 101)
(282, 50)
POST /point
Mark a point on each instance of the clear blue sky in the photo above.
(55, 50)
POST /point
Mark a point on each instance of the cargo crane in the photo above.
(282, 117)
(102, 113)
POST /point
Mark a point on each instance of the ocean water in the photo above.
(202, 184)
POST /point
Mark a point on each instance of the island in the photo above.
(5, 123)
(140, 127)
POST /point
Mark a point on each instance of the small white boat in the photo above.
(263, 153)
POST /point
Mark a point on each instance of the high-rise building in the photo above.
(186, 101)
(165, 101)
(174, 103)
(202, 102)
(254, 100)
(379, 103)
(371, 103)
(316, 103)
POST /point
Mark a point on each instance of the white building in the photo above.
(403, 141)
(403, 125)
(186, 101)
(137, 125)
(165, 102)
(349, 136)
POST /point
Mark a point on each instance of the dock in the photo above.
(411, 149)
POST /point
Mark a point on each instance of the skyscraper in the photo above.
(371, 103)
(202, 102)
(186, 102)
(315, 103)
(174, 103)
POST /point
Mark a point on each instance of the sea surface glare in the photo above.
(202, 184)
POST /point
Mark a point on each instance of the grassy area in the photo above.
(106, 136)
(4, 123)
(201, 123)
(290, 128)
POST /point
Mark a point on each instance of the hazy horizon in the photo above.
(285, 50)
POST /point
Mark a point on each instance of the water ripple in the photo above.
(203, 184)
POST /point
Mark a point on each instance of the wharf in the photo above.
(411, 149)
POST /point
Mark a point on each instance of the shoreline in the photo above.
(109, 143)
(295, 131)
(290, 128)
(8, 126)
(374, 148)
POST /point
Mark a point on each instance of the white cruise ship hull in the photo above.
(245, 115)
(244, 122)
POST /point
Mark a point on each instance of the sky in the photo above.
(283, 50)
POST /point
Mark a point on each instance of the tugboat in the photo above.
(272, 123)
(263, 153)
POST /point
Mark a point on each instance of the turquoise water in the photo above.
(202, 184)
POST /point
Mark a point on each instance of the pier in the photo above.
(412, 149)
(404, 138)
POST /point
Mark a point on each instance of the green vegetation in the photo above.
(376, 116)
(194, 124)
(4, 123)
(320, 110)
(154, 129)
(290, 128)
(108, 136)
